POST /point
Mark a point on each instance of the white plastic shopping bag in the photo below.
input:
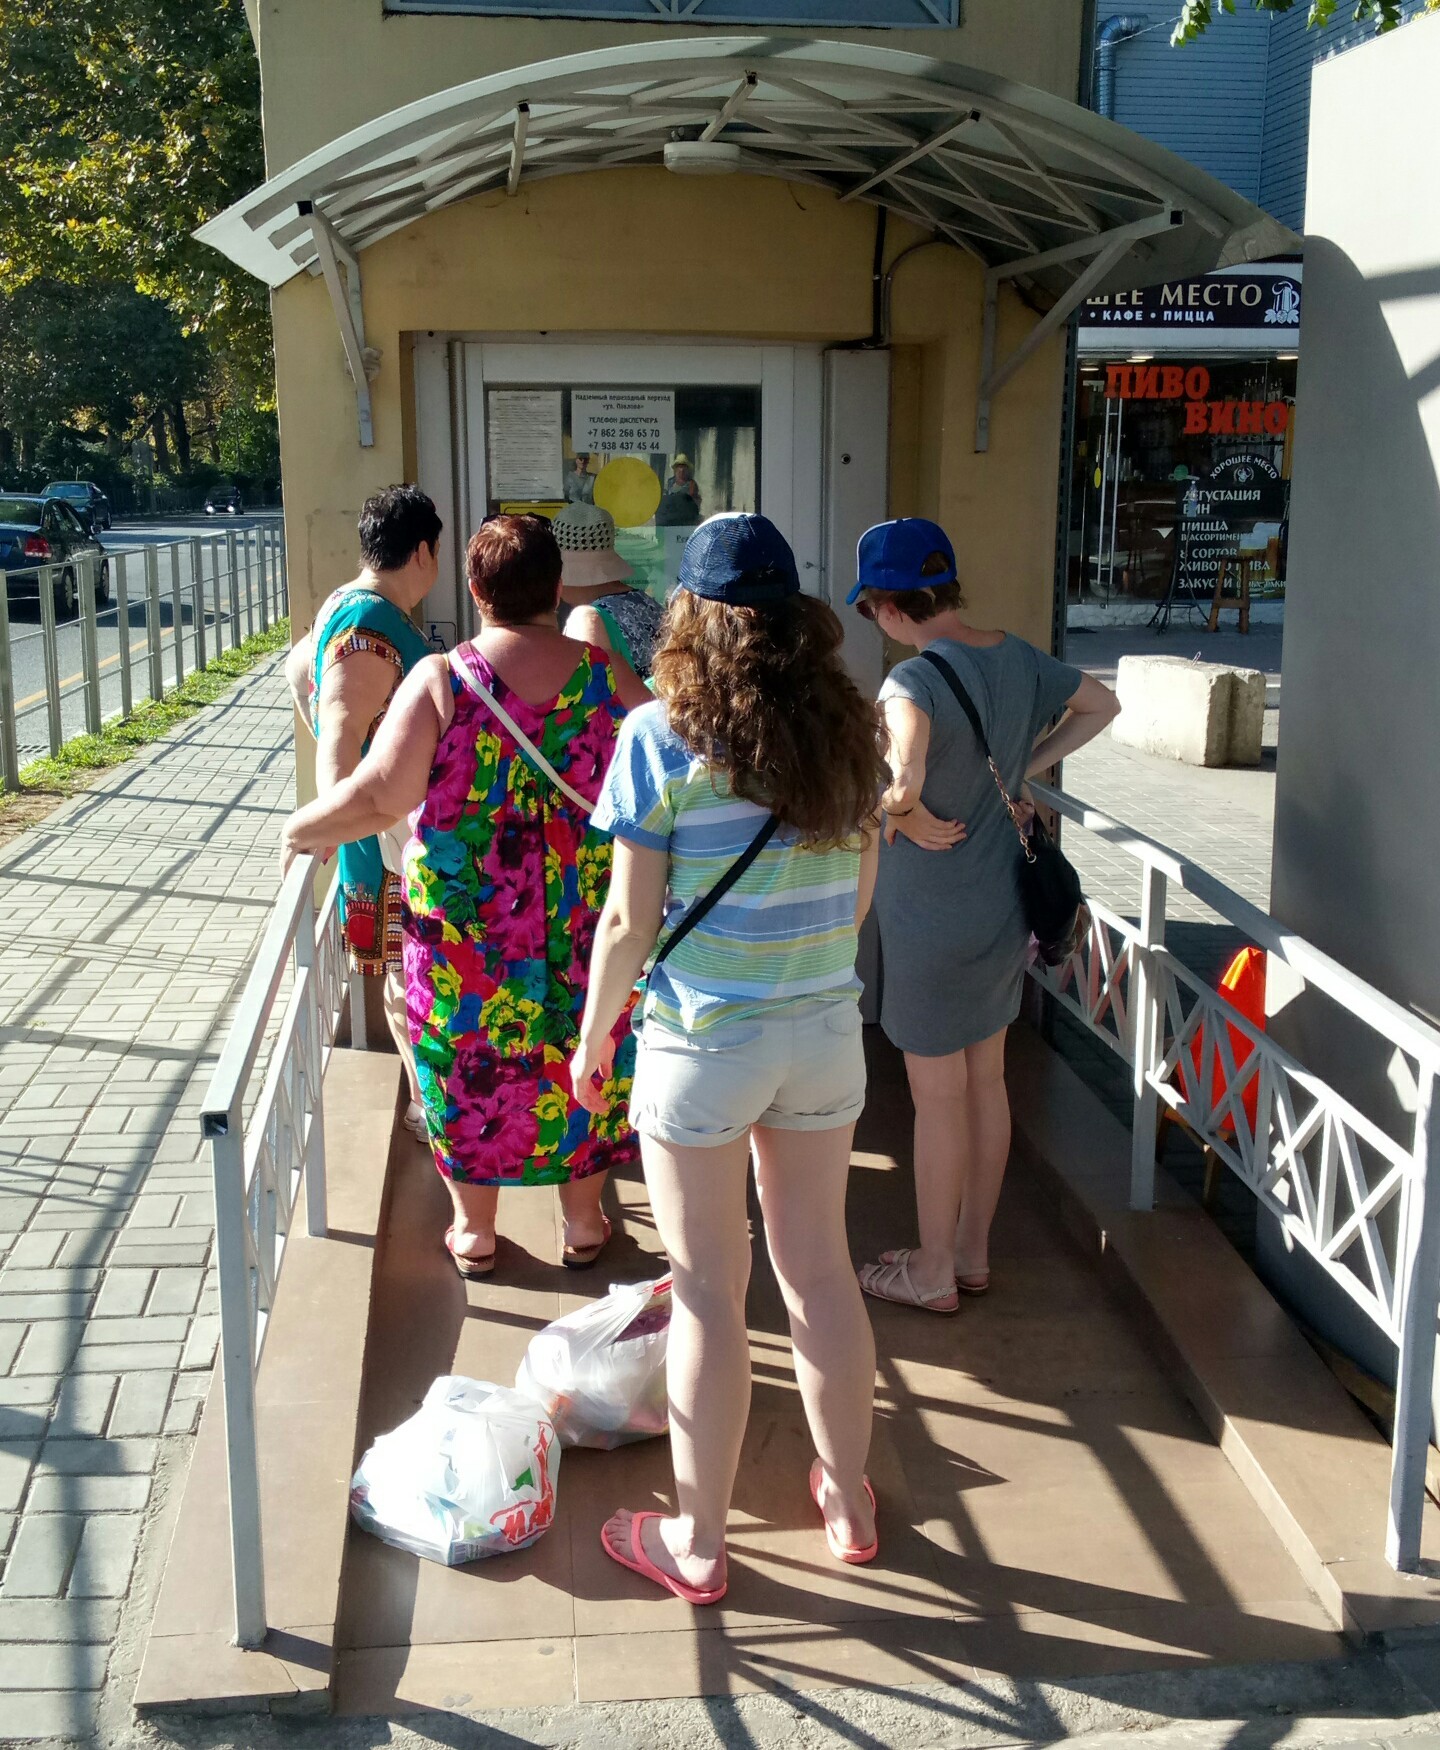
(471, 1474)
(600, 1373)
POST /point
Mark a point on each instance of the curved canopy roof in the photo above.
(1032, 185)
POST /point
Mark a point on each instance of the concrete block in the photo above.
(1200, 713)
(1247, 716)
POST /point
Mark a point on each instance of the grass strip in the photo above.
(47, 782)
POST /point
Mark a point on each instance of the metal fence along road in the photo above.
(81, 642)
(1364, 1204)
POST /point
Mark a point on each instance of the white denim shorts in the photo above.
(801, 1069)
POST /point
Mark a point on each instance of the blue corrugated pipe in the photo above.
(1108, 38)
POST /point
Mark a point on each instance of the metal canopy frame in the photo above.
(332, 257)
(1039, 191)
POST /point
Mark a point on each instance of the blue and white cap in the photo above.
(892, 556)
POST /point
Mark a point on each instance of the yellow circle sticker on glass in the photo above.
(629, 489)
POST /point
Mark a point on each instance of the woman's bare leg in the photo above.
(942, 1144)
(580, 1207)
(802, 1175)
(398, 1022)
(698, 1196)
(475, 1207)
(988, 1131)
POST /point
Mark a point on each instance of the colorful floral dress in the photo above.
(358, 618)
(505, 878)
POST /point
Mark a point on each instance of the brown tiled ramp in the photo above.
(1049, 1506)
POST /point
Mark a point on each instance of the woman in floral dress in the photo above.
(505, 878)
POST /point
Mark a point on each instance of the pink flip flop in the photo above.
(641, 1564)
(890, 1280)
(854, 1554)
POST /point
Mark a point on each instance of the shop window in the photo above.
(659, 459)
(1180, 463)
(871, 14)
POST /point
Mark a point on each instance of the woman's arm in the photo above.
(909, 730)
(1090, 708)
(392, 777)
(628, 929)
(589, 627)
(353, 693)
(297, 677)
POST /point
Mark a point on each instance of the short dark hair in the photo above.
(394, 523)
(513, 567)
(920, 605)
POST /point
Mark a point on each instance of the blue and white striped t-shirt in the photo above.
(784, 933)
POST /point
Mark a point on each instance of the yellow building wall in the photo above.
(641, 252)
(330, 65)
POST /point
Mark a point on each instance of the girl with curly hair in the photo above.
(742, 804)
(496, 754)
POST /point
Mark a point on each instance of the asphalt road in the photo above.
(130, 645)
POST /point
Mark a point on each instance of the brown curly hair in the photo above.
(762, 695)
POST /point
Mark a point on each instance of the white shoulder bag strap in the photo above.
(527, 747)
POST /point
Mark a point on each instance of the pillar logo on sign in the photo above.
(1192, 385)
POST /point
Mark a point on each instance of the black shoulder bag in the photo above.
(1049, 887)
(706, 902)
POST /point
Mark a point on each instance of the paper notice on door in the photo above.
(526, 459)
(623, 422)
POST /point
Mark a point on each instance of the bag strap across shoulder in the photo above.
(706, 903)
(527, 747)
(967, 705)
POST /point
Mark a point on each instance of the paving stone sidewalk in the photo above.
(1222, 819)
(130, 917)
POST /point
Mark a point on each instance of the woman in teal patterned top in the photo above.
(344, 674)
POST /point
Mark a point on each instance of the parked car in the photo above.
(224, 501)
(40, 532)
(82, 495)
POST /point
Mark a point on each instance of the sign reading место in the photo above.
(622, 422)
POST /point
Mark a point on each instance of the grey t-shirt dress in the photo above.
(953, 937)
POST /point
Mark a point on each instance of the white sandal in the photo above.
(414, 1121)
(891, 1280)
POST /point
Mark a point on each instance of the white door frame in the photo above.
(451, 373)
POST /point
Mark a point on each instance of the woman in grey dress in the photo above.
(952, 928)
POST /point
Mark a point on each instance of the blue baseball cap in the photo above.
(740, 558)
(892, 554)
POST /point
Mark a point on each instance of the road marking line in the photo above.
(70, 680)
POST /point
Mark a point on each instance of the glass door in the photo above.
(661, 433)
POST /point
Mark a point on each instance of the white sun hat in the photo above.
(585, 535)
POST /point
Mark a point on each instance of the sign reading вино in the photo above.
(622, 422)
(1147, 382)
(1263, 298)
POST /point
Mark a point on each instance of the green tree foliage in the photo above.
(100, 359)
(124, 124)
(1196, 16)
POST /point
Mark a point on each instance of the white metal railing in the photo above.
(216, 588)
(1364, 1205)
(259, 1164)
